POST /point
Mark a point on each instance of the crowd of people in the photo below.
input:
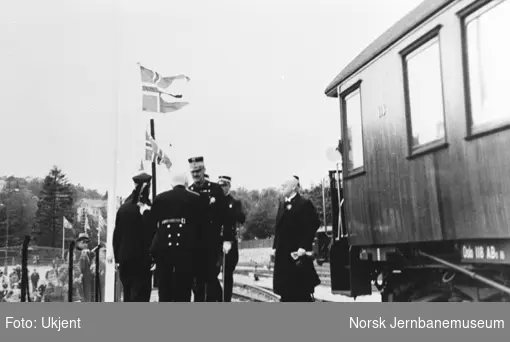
(54, 286)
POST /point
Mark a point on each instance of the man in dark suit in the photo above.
(207, 285)
(176, 216)
(297, 222)
(234, 215)
(131, 243)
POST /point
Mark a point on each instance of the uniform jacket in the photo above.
(296, 225)
(176, 217)
(214, 201)
(131, 239)
(234, 214)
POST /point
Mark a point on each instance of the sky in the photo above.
(258, 72)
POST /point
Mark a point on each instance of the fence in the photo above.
(40, 275)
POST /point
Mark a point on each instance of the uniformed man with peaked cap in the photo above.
(176, 216)
(234, 215)
(207, 285)
(131, 242)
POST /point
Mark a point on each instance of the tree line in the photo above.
(37, 206)
(261, 207)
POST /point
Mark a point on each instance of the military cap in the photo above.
(82, 237)
(224, 179)
(142, 178)
(196, 163)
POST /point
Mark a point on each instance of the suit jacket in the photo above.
(234, 214)
(214, 203)
(131, 238)
(176, 217)
(296, 226)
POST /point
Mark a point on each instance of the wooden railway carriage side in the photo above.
(426, 157)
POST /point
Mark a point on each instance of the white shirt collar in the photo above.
(288, 199)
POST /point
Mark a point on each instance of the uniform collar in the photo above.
(288, 199)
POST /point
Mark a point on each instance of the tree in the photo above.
(315, 195)
(18, 206)
(261, 214)
(56, 202)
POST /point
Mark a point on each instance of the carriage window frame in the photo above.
(343, 97)
(466, 15)
(414, 49)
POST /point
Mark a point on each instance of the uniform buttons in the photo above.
(178, 234)
(180, 225)
(169, 235)
(169, 243)
(177, 244)
(168, 226)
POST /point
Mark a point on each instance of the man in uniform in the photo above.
(176, 216)
(234, 215)
(207, 285)
(131, 242)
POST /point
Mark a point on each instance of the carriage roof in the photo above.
(413, 19)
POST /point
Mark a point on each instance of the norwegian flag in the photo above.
(155, 87)
(154, 153)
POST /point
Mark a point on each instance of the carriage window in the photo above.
(488, 64)
(425, 94)
(352, 108)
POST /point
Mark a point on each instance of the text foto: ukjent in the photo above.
(44, 322)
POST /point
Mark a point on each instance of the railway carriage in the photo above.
(425, 151)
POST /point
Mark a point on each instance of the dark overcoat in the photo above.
(131, 238)
(177, 218)
(296, 226)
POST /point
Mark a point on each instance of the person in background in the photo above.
(234, 215)
(102, 269)
(297, 221)
(34, 277)
(81, 283)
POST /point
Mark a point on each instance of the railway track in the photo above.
(261, 272)
(252, 293)
(242, 298)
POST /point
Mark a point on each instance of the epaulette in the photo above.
(193, 192)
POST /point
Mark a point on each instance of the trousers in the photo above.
(207, 287)
(231, 260)
(174, 284)
(136, 282)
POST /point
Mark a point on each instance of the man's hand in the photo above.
(301, 252)
(227, 245)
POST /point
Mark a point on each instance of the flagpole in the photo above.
(154, 156)
(63, 236)
(109, 290)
